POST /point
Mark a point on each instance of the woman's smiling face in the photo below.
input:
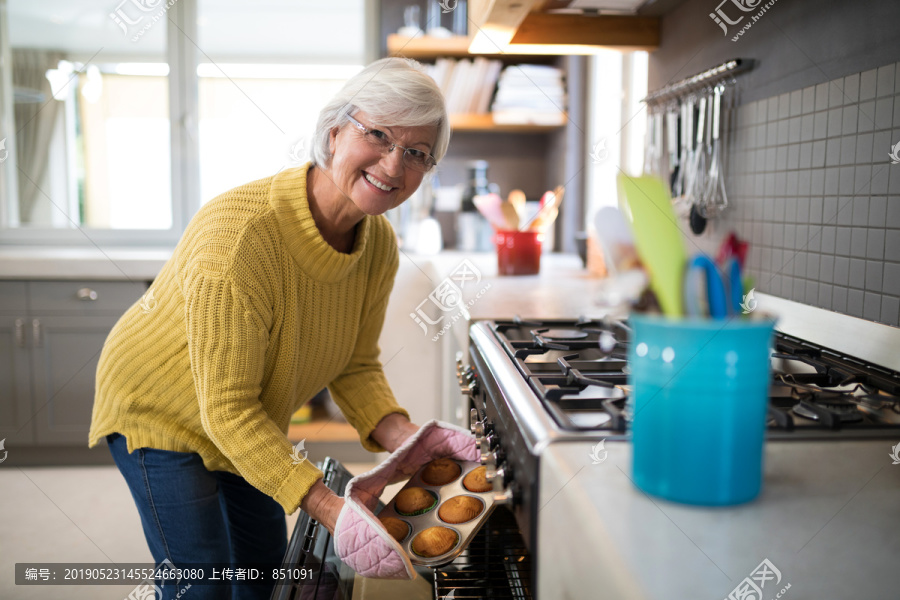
(373, 181)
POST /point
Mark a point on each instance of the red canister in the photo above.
(518, 252)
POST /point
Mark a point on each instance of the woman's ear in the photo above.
(332, 138)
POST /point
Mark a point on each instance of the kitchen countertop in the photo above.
(828, 519)
(563, 287)
(562, 290)
(115, 263)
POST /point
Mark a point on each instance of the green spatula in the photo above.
(657, 238)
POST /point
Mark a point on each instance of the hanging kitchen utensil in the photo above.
(697, 221)
(686, 130)
(672, 142)
(704, 151)
(653, 148)
(695, 175)
(715, 198)
(649, 142)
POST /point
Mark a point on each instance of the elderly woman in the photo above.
(277, 289)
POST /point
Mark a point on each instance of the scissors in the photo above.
(722, 299)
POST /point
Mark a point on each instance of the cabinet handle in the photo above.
(36, 332)
(86, 294)
(20, 333)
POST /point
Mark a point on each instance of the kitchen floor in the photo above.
(76, 514)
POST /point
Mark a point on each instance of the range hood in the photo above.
(565, 26)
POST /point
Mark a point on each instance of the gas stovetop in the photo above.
(578, 370)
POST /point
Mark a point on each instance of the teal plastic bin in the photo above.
(699, 402)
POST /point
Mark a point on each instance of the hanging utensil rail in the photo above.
(710, 77)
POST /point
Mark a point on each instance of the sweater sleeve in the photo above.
(361, 391)
(227, 339)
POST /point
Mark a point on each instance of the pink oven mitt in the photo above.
(360, 539)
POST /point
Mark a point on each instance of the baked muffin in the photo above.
(414, 501)
(397, 528)
(475, 481)
(434, 541)
(440, 471)
(460, 509)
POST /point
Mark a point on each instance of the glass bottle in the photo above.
(473, 232)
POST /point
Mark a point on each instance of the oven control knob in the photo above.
(495, 467)
(496, 475)
(464, 373)
(507, 496)
(503, 493)
(476, 426)
(486, 444)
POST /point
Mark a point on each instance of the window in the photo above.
(259, 120)
(123, 171)
(92, 152)
(85, 125)
(258, 104)
(618, 120)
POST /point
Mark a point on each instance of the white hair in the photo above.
(393, 92)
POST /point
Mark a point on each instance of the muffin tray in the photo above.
(418, 523)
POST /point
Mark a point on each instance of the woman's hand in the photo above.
(393, 430)
(323, 505)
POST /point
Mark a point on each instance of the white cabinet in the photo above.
(413, 363)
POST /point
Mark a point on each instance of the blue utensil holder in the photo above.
(700, 393)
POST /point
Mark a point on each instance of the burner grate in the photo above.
(814, 391)
(496, 564)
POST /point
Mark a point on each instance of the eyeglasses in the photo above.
(417, 160)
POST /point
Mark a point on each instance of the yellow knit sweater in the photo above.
(253, 314)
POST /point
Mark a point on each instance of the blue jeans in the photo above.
(192, 515)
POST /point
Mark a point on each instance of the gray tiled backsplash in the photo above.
(813, 189)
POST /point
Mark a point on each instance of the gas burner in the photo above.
(607, 342)
(815, 391)
(589, 419)
(548, 357)
(583, 407)
(562, 334)
(590, 393)
(831, 412)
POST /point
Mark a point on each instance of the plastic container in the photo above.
(518, 252)
(700, 392)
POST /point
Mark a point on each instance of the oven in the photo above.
(532, 385)
(496, 564)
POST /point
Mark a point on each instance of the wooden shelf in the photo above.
(486, 123)
(624, 33)
(430, 48)
(323, 431)
(522, 26)
(427, 47)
